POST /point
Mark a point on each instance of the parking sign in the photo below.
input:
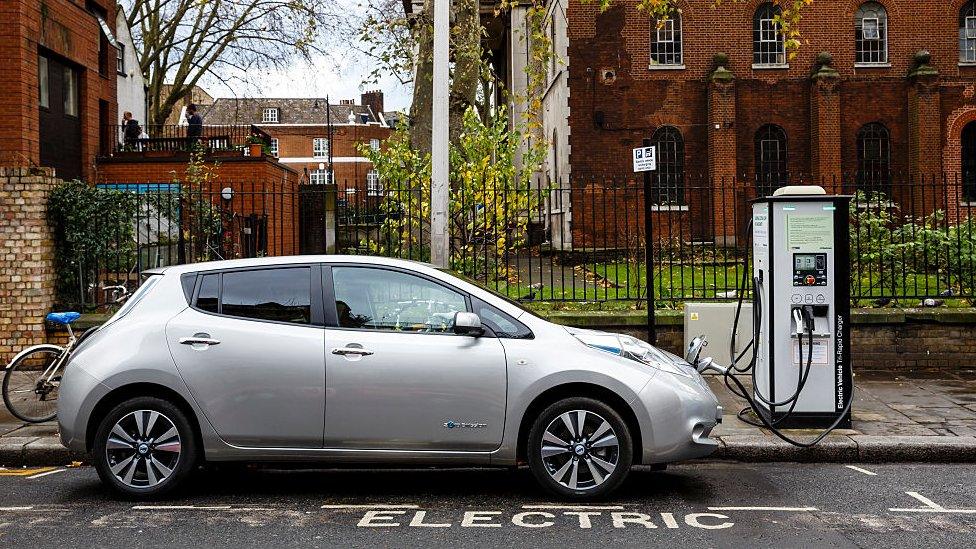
(645, 159)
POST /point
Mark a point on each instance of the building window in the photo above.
(319, 177)
(873, 158)
(373, 186)
(120, 58)
(274, 147)
(554, 59)
(669, 179)
(44, 88)
(269, 116)
(871, 35)
(967, 33)
(70, 92)
(771, 165)
(768, 46)
(320, 147)
(666, 41)
(374, 144)
(969, 162)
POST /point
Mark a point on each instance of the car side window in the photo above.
(279, 294)
(209, 295)
(380, 299)
(502, 324)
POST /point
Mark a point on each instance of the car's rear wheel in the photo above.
(144, 447)
(579, 448)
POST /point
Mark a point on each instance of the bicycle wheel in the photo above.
(27, 390)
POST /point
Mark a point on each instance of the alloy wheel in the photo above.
(143, 449)
(580, 449)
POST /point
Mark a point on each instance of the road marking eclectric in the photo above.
(931, 507)
(781, 509)
(860, 470)
(25, 472)
(45, 473)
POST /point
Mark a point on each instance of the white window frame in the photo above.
(273, 147)
(876, 29)
(665, 32)
(269, 115)
(768, 31)
(373, 185)
(120, 58)
(320, 177)
(971, 27)
(374, 144)
(320, 147)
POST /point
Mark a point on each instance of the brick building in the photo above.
(878, 90)
(57, 83)
(299, 130)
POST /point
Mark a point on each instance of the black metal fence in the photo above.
(912, 240)
(172, 138)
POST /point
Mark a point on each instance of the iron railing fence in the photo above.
(179, 138)
(912, 240)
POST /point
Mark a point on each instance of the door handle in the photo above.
(198, 340)
(343, 351)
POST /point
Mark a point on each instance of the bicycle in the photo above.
(33, 377)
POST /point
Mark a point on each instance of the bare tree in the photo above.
(178, 42)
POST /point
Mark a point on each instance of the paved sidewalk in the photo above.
(930, 417)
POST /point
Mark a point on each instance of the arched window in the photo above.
(771, 168)
(768, 46)
(874, 158)
(967, 33)
(666, 41)
(969, 162)
(669, 178)
(871, 34)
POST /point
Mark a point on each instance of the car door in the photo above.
(251, 351)
(397, 377)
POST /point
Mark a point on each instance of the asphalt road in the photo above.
(708, 504)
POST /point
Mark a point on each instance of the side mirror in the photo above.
(468, 324)
(695, 349)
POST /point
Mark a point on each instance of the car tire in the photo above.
(579, 464)
(144, 447)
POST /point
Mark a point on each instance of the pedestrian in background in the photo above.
(195, 128)
(130, 130)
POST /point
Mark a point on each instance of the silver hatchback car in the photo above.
(351, 359)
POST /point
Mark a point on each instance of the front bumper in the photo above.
(683, 412)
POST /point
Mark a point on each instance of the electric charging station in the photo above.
(801, 282)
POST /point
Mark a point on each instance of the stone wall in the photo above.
(27, 277)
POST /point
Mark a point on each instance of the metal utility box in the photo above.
(714, 321)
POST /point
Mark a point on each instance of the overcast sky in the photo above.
(339, 77)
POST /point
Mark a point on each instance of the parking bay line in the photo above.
(860, 470)
(931, 507)
(372, 506)
(576, 507)
(21, 508)
(45, 473)
(25, 472)
(781, 509)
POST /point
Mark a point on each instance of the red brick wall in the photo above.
(66, 29)
(260, 186)
(638, 99)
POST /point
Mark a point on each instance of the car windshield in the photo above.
(501, 296)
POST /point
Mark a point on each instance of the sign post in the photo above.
(645, 160)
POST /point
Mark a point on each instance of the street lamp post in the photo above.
(329, 175)
(439, 184)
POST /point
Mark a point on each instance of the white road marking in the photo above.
(931, 507)
(860, 470)
(24, 508)
(783, 509)
(46, 473)
(373, 506)
(181, 507)
(576, 507)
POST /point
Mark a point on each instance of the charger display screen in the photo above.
(809, 269)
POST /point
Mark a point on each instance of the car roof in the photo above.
(287, 260)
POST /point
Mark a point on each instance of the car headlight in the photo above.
(635, 349)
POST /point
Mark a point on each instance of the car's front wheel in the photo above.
(144, 447)
(579, 448)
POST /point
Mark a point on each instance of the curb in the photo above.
(850, 449)
(38, 451)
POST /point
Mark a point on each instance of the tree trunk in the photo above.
(423, 85)
(467, 62)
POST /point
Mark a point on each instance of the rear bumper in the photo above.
(77, 396)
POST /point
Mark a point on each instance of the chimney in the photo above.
(374, 100)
